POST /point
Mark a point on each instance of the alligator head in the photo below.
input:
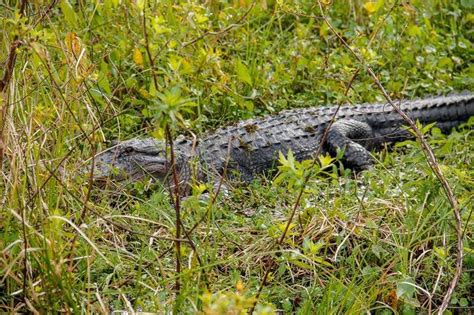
(132, 160)
(135, 159)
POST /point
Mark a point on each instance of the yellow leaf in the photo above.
(413, 30)
(172, 44)
(201, 18)
(140, 4)
(243, 73)
(325, 160)
(158, 133)
(470, 18)
(199, 189)
(323, 30)
(441, 252)
(138, 57)
(371, 7)
(186, 67)
(73, 43)
(160, 29)
(144, 93)
(175, 63)
(282, 227)
(240, 286)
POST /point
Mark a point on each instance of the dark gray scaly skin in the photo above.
(255, 143)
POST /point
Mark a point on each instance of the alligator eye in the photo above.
(128, 150)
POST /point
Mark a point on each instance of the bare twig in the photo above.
(10, 65)
(7, 75)
(176, 197)
(177, 206)
(45, 13)
(432, 162)
(23, 4)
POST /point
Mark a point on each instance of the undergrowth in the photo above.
(88, 72)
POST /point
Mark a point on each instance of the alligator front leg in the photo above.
(353, 137)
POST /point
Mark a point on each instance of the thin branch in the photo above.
(45, 13)
(10, 65)
(432, 162)
(177, 206)
(23, 4)
(7, 75)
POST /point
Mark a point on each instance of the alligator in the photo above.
(251, 147)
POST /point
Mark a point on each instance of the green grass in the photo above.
(382, 241)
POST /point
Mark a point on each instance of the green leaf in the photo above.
(282, 227)
(249, 105)
(379, 251)
(301, 264)
(445, 63)
(321, 261)
(311, 247)
(102, 81)
(405, 288)
(467, 3)
(440, 251)
(243, 73)
(287, 163)
(69, 14)
(325, 160)
(413, 30)
(170, 106)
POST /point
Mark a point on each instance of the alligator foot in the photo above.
(353, 137)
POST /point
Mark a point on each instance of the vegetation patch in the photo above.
(78, 75)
